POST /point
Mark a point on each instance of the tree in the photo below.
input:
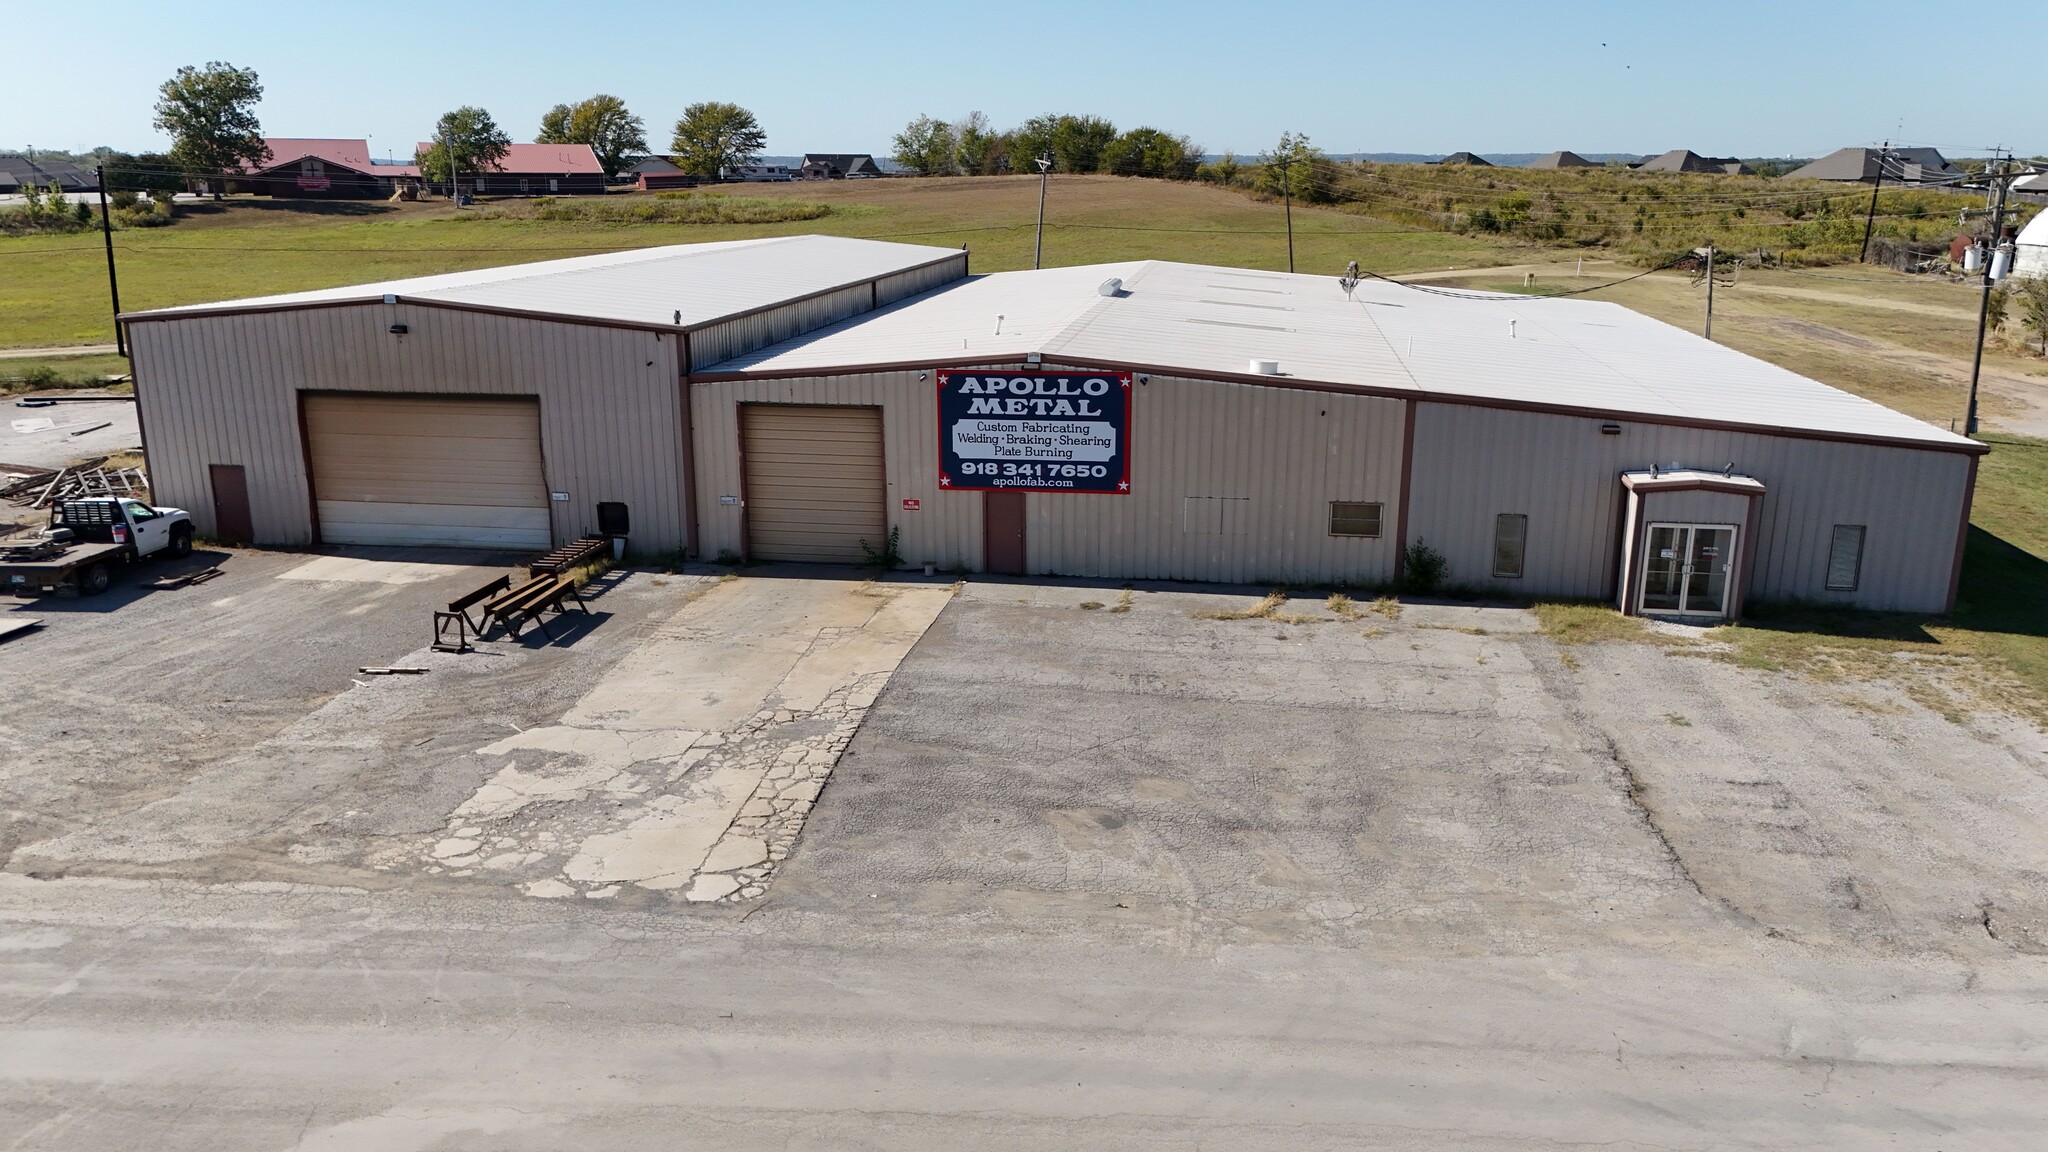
(210, 114)
(602, 122)
(1150, 152)
(1079, 142)
(151, 172)
(476, 140)
(1076, 143)
(925, 146)
(2033, 293)
(712, 137)
(1307, 174)
(976, 146)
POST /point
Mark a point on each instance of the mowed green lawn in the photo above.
(53, 289)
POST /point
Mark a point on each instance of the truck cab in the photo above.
(143, 529)
(87, 538)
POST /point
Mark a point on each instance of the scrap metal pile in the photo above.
(92, 477)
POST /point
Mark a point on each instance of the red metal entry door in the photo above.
(231, 520)
(1002, 533)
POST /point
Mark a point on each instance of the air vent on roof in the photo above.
(1265, 368)
(1111, 287)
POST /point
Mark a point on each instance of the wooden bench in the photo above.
(570, 556)
(461, 606)
(528, 602)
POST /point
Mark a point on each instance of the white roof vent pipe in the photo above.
(1111, 287)
(1265, 368)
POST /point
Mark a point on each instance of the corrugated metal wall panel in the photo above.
(904, 285)
(1698, 507)
(723, 341)
(1473, 463)
(1288, 453)
(224, 390)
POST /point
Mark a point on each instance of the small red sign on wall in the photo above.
(911, 505)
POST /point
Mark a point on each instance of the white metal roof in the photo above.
(1571, 354)
(701, 282)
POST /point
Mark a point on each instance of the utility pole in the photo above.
(1870, 217)
(113, 284)
(1998, 178)
(1287, 194)
(1044, 172)
(1708, 252)
(454, 186)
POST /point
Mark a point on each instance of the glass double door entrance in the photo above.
(1687, 568)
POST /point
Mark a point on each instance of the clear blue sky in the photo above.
(1731, 77)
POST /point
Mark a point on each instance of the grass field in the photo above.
(1903, 341)
(54, 290)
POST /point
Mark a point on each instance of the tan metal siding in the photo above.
(716, 342)
(1696, 507)
(224, 390)
(1473, 463)
(902, 285)
(1287, 453)
(815, 486)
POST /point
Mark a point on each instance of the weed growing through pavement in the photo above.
(1123, 601)
(1387, 606)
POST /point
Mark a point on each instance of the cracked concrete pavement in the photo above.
(1110, 877)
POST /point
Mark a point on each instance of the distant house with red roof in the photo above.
(536, 170)
(320, 168)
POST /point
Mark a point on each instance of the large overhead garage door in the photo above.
(457, 472)
(814, 482)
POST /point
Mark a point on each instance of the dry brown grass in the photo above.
(1266, 609)
(1123, 601)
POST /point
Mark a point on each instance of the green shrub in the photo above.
(1423, 568)
(123, 199)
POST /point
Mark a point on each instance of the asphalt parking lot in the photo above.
(1094, 868)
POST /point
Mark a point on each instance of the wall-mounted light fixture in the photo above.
(398, 329)
(1610, 429)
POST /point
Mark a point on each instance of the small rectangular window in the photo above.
(1845, 558)
(1510, 540)
(1349, 519)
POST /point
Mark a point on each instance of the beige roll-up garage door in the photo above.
(814, 482)
(456, 472)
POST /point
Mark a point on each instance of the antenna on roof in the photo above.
(1349, 280)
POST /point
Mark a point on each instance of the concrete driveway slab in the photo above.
(693, 763)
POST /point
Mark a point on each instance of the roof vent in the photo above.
(1113, 286)
(1265, 368)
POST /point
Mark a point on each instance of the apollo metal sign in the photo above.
(1044, 432)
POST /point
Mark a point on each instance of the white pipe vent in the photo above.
(1265, 368)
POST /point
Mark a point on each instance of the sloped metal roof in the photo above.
(1575, 354)
(685, 285)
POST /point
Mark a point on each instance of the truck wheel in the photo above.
(94, 580)
(181, 544)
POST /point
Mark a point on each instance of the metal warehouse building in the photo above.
(801, 398)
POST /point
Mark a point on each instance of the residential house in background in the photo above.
(16, 171)
(838, 166)
(1686, 160)
(537, 170)
(1897, 166)
(1562, 160)
(1472, 158)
